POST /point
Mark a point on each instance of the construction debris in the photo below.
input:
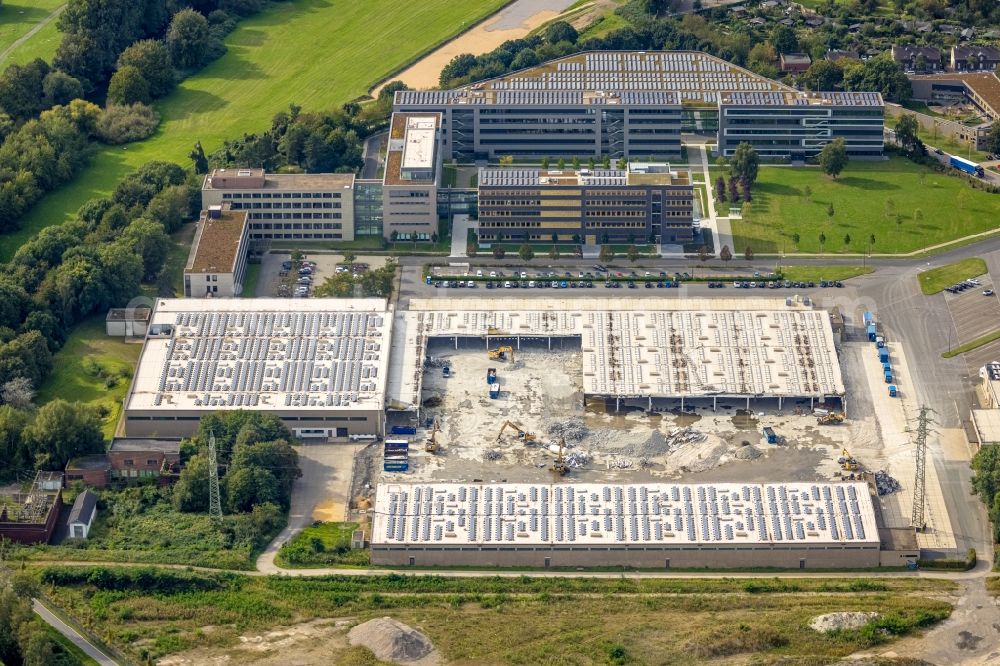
(572, 429)
(841, 621)
(492, 454)
(619, 463)
(576, 460)
(885, 484)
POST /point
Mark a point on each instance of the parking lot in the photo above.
(271, 279)
(975, 314)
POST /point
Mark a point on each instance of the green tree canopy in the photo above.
(744, 163)
(833, 157)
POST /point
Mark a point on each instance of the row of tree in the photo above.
(24, 637)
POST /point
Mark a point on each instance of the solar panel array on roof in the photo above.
(609, 514)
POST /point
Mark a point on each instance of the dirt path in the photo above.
(513, 22)
(31, 33)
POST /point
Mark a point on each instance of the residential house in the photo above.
(836, 55)
(917, 58)
(815, 21)
(795, 62)
(974, 58)
(143, 457)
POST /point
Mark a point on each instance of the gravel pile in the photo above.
(491, 454)
(390, 640)
(748, 452)
(575, 459)
(573, 430)
(837, 621)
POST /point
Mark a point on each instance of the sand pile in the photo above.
(747, 452)
(836, 621)
(391, 641)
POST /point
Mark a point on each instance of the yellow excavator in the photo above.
(830, 418)
(848, 463)
(431, 445)
(498, 353)
(559, 466)
(522, 434)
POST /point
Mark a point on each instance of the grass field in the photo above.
(565, 621)
(937, 279)
(303, 550)
(820, 273)
(314, 53)
(17, 18)
(75, 377)
(867, 199)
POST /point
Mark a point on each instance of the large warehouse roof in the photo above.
(602, 76)
(265, 354)
(646, 347)
(618, 514)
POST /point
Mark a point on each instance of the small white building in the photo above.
(217, 263)
(82, 515)
(127, 322)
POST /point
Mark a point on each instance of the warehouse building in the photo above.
(636, 104)
(797, 125)
(217, 261)
(318, 364)
(650, 354)
(650, 525)
(645, 203)
(286, 206)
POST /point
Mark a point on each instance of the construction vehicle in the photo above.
(848, 463)
(893, 391)
(491, 375)
(770, 436)
(498, 354)
(830, 418)
(431, 445)
(559, 466)
(494, 390)
(522, 434)
(446, 371)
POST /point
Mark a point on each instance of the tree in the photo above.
(829, 210)
(899, 220)
(822, 240)
(720, 189)
(761, 59)
(606, 254)
(152, 244)
(906, 132)
(249, 486)
(725, 253)
(703, 253)
(807, 192)
(632, 252)
(561, 163)
(744, 162)
(576, 163)
(545, 164)
(554, 252)
(18, 393)
(879, 74)
(748, 253)
(871, 242)
(498, 251)
(189, 39)
(822, 75)
(918, 215)
(506, 160)
(783, 39)
(993, 138)
(847, 239)
(605, 162)
(796, 238)
(190, 493)
(745, 191)
(734, 193)
(61, 431)
(526, 253)
(833, 157)
(621, 164)
(338, 285)
(277, 457)
(151, 58)
(60, 88)
(560, 31)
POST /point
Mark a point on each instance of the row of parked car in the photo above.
(971, 283)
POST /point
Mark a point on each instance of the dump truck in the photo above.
(872, 332)
(883, 355)
(893, 391)
(868, 318)
(494, 390)
(770, 436)
(879, 341)
(491, 375)
(888, 376)
(446, 371)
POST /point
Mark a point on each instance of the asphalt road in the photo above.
(72, 634)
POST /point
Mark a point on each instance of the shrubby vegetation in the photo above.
(986, 483)
(126, 123)
(24, 638)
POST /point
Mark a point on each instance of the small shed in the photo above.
(81, 516)
(127, 322)
(358, 539)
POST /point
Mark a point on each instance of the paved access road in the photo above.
(72, 634)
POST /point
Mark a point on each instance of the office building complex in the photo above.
(316, 206)
(218, 258)
(412, 177)
(623, 103)
(797, 125)
(646, 203)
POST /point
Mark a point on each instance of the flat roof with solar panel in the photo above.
(785, 98)
(636, 78)
(621, 515)
(263, 354)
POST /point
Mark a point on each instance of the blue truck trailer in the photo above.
(868, 318)
(883, 355)
(967, 166)
(872, 332)
(403, 430)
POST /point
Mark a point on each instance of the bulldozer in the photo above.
(559, 466)
(523, 435)
(499, 352)
(830, 418)
(431, 445)
(848, 463)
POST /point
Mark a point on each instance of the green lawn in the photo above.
(75, 377)
(314, 53)
(867, 197)
(937, 279)
(972, 344)
(820, 273)
(17, 18)
(251, 280)
(305, 550)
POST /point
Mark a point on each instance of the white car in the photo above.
(532, 284)
(506, 285)
(493, 274)
(523, 275)
(479, 274)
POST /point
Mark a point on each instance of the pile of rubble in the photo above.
(885, 484)
(572, 430)
(576, 459)
(434, 362)
(747, 452)
(619, 463)
(492, 454)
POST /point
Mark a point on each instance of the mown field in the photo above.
(313, 53)
(17, 19)
(567, 621)
(905, 205)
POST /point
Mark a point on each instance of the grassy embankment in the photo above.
(314, 53)
(906, 206)
(577, 620)
(938, 279)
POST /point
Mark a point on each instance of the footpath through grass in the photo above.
(821, 273)
(93, 368)
(18, 18)
(151, 614)
(314, 53)
(938, 279)
(905, 205)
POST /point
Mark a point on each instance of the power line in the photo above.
(214, 502)
(920, 481)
